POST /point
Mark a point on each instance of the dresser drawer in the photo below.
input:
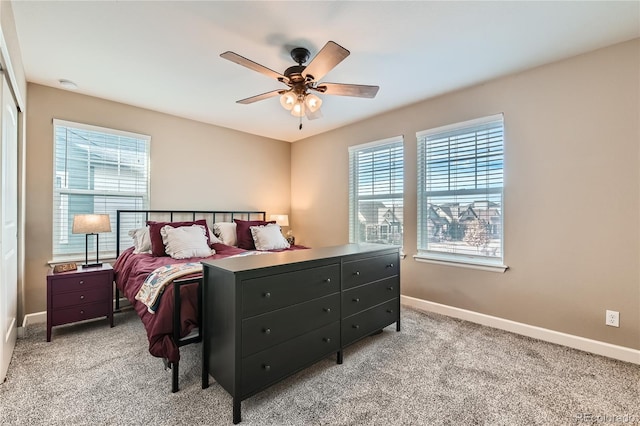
(266, 294)
(266, 330)
(271, 365)
(79, 313)
(86, 296)
(366, 322)
(364, 297)
(79, 282)
(358, 272)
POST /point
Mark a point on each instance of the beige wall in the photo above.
(571, 197)
(193, 166)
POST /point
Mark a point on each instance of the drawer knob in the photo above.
(356, 299)
(82, 312)
(327, 310)
(390, 288)
(390, 311)
(266, 367)
(327, 339)
(81, 281)
(267, 331)
(82, 297)
(390, 265)
(328, 280)
(356, 326)
(356, 273)
(267, 295)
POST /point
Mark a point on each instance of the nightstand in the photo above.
(79, 295)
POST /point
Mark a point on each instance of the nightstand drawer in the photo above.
(266, 294)
(79, 313)
(364, 271)
(78, 282)
(89, 295)
(363, 297)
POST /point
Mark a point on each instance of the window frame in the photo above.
(456, 259)
(353, 174)
(62, 190)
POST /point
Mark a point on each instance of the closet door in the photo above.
(9, 228)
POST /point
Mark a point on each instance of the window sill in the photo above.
(491, 267)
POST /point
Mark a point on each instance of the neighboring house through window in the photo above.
(460, 191)
(96, 170)
(376, 190)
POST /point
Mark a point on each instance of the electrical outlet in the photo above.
(612, 318)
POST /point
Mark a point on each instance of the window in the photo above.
(460, 181)
(96, 170)
(376, 187)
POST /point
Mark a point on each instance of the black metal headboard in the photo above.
(132, 219)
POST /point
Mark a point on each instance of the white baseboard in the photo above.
(588, 345)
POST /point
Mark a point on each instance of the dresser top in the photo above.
(258, 260)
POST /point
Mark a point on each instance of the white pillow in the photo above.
(186, 241)
(268, 237)
(226, 231)
(141, 240)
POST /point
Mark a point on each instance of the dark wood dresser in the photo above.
(79, 295)
(267, 316)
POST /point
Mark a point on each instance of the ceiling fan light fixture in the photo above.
(312, 102)
(298, 109)
(288, 100)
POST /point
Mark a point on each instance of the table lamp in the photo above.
(91, 224)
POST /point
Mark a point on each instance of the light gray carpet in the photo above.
(436, 371)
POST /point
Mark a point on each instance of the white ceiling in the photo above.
(164, 56)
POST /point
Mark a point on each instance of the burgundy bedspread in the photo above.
(130, 272)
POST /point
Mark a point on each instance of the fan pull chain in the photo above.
(300, 127)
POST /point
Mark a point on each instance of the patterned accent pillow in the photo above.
(186, 241)
(226, 232)
(268, 237)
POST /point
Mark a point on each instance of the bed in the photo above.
(173, 320)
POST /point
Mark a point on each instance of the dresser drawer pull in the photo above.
(356, 273)
(356, 299)
(81, 282)
(326, 339)
(390, 311)
(356, 326)
(82, 312)
(267, 295)
(390, 265)
(267, 331)
(390, 288)
(327, 310)
(82, 297)
(266, 367)
(328, 280)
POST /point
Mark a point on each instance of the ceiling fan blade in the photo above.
(241, 60)
(326, 59)
(358, 90)
(257, 98)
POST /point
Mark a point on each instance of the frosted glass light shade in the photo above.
(288, 100)
(312, 102)
(298, 109)
(91, 223)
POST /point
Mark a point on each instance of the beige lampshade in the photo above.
(91, 223)
(281, 219)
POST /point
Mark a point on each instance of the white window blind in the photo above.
(376, 190)
(96, 170)
(460, 182)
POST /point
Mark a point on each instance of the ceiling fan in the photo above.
(301, 79)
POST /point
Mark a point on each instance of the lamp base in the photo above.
(91, 265)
